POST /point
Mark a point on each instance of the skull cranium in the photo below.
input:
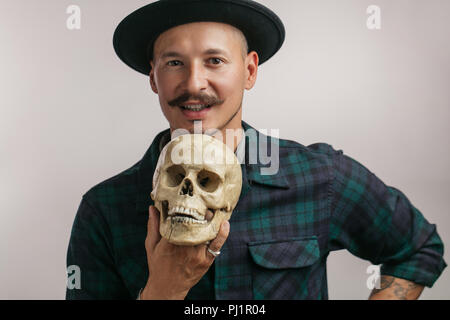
(196, 186)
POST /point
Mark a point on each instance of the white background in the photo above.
(73, 115)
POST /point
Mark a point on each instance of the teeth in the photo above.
(197, 107)
(191, 212)
(186, 220)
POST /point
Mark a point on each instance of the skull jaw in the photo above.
(178, 234)
(190, 234)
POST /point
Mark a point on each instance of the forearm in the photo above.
(392, 288)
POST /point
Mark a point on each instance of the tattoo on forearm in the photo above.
(386, 282)
(400, 289)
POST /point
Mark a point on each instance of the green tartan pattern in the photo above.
(282, 230)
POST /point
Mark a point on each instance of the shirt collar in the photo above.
(263, 143)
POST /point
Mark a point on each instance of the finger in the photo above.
(220, 239)
(153, 236)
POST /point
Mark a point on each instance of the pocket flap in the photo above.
(291, 253)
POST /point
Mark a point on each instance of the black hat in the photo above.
(135, 35)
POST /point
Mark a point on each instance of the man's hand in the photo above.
(174, 270)
(396, 289)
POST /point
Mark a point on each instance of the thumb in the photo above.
(153, 235)
(220, 239)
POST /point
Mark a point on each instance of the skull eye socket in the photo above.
(175, 175)
(208, 181)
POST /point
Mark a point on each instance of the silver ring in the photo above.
(214, 253)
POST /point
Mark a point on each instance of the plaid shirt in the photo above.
(282, 229)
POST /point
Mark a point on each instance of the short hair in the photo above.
(244, 43)
(238, 32)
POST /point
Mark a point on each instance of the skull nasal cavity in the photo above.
(187, 188)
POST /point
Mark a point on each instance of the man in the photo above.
(201, 55)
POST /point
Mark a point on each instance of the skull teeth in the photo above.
(190, 212)
(186, 220)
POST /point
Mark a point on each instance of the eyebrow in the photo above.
(215, 51)
(170, 54)
(174, 54)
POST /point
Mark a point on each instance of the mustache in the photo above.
(203, 98)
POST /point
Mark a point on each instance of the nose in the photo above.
(196, 79)
(187, 188)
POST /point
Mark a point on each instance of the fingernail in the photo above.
(209, 215)
(226, 225)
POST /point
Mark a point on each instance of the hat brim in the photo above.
(134, 36)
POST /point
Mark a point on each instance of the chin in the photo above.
(206, 125)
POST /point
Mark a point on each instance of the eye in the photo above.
(174, 63)
(215, 60)
(208, 181)
(175, 175)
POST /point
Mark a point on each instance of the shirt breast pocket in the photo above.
(282, 269)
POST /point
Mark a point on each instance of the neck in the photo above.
(232, 138)
(230, 134)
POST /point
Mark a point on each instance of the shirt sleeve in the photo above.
(90, 250)
(378, 223)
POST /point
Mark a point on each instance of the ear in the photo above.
(152, 78)
(251, 67)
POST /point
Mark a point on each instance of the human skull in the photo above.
(196, 186)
